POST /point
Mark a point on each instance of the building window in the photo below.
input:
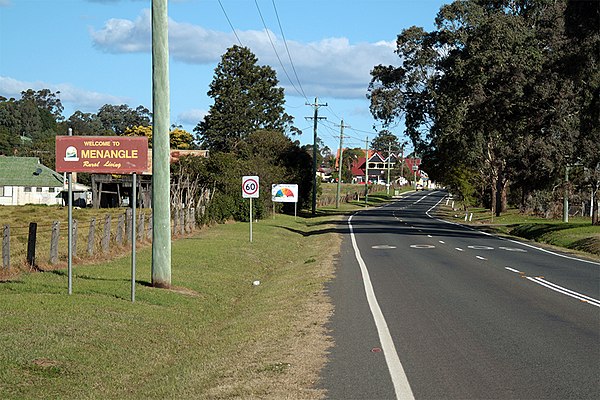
(27, 189)
(6, 191)
(38, 190)
(51, 190)
(2, 191)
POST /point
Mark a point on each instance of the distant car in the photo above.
(419, 187)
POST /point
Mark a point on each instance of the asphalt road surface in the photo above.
(427, 309)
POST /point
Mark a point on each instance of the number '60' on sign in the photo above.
(250, 187)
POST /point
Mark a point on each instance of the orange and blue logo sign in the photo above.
(284, 193)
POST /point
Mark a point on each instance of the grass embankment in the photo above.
(578, 234)
(215, 335)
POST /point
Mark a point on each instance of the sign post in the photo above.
(102, 154)
(250, 186)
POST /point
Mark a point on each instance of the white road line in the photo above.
(565, 291)
(441, 241)
(458, 248)
(399, 380)
(481, 258)
(513, 270)
(429, 236)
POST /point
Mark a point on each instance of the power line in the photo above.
(230, 24)
(274, 49)
(288, 51)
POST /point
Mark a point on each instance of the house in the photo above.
(23, 180)
(378, 167)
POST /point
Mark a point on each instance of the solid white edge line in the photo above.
(542, 283)
(567, 290)
(399, 380)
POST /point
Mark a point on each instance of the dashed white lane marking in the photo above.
(422, 246)
(481, 247)
(441, 241)
(458, 248)
(513, 270)
(399, 380)
(513, 249)
(383, 247)
(429, 236)
(481, 258)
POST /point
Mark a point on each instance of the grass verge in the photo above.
(578, 234)
(214, 335)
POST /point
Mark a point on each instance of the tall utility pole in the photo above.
(316, 119)
(161, 202)
(339, 182)
(367, 171)
(388, 167)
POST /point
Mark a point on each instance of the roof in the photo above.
(27, 171)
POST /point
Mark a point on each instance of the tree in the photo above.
(116, 119)
(178, 138)
(488, 92)
(46, 100)
(246, 98)
(350, 157)
(84, 124)
(384, 140)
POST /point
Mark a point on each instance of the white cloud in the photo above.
(79, 99)
(331, 67)
(191, 117)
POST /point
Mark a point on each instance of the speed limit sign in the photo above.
(250, 187)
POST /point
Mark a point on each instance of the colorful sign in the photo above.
(283, 193)
(102, 154)
(250, 187)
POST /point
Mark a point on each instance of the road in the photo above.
(427, 309)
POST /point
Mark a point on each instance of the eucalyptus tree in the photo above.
(484, 92)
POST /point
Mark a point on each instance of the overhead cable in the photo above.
(274, 49)
(288, 51)
(230, 24)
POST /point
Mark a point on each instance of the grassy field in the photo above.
(214, 335)
(18, 219)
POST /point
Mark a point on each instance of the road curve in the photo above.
(469, 315)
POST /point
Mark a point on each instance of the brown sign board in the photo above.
(102, 154)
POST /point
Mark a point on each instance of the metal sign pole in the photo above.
(70, 228)
(250, 219)
(133, 236)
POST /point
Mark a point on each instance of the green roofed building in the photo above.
(23, 180)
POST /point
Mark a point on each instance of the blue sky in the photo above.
(99, 51)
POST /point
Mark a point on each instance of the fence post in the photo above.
(91, 236)
(149, 232)
(128, 224)
(106, 234)
(74, 239)
(141, 228)
(31, 240)
(120, 229)
(182, 222)
(6, 247)
(54, 242)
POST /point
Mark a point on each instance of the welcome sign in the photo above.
(102, 154)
